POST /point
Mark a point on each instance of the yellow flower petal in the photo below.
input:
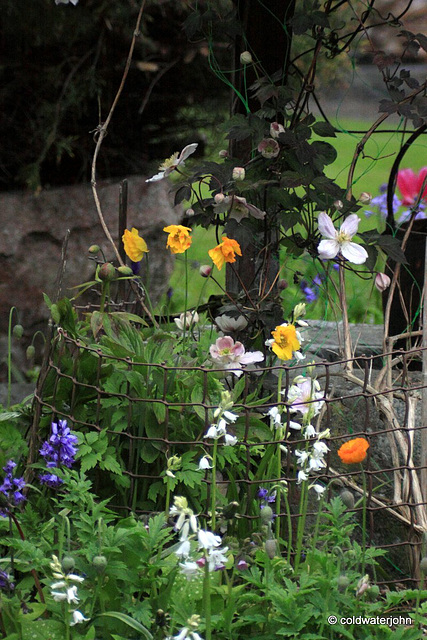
(179, 239)
(134, 245)
(225, 252)
(285, 341)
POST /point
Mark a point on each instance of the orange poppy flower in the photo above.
(353, 450)
(225, 252)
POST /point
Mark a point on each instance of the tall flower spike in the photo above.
(340, 241)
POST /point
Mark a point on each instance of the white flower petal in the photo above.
(328, 249)
(157, 177)
(187, 151)
(326, 226)
(354, 252)
(350, 225)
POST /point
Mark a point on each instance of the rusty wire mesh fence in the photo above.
(132, 416)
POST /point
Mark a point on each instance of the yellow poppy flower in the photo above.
(225, 252)
(179, 238)
(285, 341)
(134, 245)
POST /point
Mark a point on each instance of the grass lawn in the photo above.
(372, 170)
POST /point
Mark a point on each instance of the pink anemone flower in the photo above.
(410, 184)
(232, 355)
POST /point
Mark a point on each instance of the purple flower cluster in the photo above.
(380, 202)
(58, 451)
(5, 582)
(311, 291)
(265, 498)
(12, 487)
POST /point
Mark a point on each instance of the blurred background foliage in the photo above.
(60, 69)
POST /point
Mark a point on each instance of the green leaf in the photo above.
(130, 622)
(324, 129)
(89, 462)
(391, 246)
(159, 410)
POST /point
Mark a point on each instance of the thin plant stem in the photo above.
(168, 496)
(9, 358)
(278, 457)
(207, 601)
(363, 520)
(213, 492)
(301, 523)
(185, 297)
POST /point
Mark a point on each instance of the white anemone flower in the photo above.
(187, 319)
(78, 618)
(340, 241)
(173, 162)
(227, 323)
(74, 2)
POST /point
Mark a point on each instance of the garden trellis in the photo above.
(129, 413)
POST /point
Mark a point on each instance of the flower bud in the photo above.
(242, 565)
(125, 271)
(18, 331)
(245, 57)
(266, 514)
(219, 197)
(373, 592)
(94, 249)
(423, 564)
(365, 197)
(382, 281)
(338, 204)
(223, 153)
(282, 284)
(271, 548)
(299, 310)
(205, 270)
(276, 129)
(68, 563)
(30, 352)
(348, 498)
(343, 583)
(189, 212)
(201, 562)
(238, 173)
(99, 562)
(107, 272)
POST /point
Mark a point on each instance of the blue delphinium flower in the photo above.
(12, 487)
(380, 202)
(58, 451)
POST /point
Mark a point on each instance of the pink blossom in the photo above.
(410, 185)
(382, 281)
(232, 355)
